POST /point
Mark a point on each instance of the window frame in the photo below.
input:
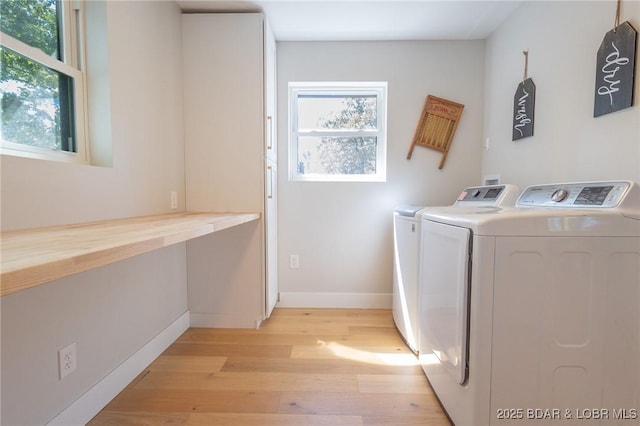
(368, 88)
(71, 36)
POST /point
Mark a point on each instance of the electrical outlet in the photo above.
(174, 200)
(67, 361)
(294, 261)
(492, 180)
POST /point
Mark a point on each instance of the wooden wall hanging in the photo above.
(615, 69)
(524, 105)
(438, 124)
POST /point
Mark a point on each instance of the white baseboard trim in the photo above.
(335, 300)
(96, 398)
(222, 321)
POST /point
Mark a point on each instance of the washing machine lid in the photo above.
(408, 210)
(573, 209)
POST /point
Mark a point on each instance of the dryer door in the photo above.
(444, 296)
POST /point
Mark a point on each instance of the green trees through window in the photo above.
(338, 131)
(350, 155)
(37, 100)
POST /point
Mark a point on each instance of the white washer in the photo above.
(406, 255)
(406, 245)
(530, 314)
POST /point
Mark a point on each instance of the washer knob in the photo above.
(559, 195)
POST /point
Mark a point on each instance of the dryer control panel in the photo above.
(491, 195)
(575, 195)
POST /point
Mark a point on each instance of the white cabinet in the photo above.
(271, 204)
(271, 231)
(230, 163)
(270, 94)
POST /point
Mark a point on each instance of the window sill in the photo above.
(339, 178)
(32, 257)
(16, 150)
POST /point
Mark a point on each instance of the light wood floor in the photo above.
(303, 367)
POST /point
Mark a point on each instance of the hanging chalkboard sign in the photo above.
(615, 70)
(524, 104)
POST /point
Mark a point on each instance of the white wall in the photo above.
(110, 312)
(343, 231)
(568, 143)
(145, 80)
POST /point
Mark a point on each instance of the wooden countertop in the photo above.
(32, 257)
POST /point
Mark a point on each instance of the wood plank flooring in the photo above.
(303, 367)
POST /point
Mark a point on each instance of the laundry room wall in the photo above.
(562, 38)
(112, 311)
(342, 231)
(143, 107)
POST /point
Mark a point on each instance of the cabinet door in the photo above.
(270, 94)
(271, 178)
(223, 74)
(271, 235)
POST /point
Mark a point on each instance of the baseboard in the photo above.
(96, 398)
(222, 321)
(335, 300)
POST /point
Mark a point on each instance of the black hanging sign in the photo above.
(524, 102)
(615, 70)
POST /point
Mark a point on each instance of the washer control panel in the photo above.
(576, 195)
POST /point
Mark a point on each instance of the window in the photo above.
(337, 131)
(41, 84)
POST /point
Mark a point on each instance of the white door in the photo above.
(271, 231)
(270, 85)
(271, 178)
(444, 297)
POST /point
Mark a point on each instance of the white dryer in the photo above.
(531, 314)
(406, 251)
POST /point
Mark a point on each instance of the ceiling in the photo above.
(306, 20)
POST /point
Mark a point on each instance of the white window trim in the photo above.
(73, 35)
(379, 89)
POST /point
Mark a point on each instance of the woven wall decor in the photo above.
(437, 126)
